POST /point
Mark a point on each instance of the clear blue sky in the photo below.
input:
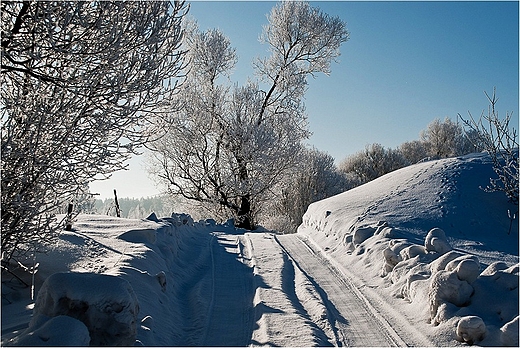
(406, 63)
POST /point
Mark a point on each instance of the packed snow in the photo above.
(421, 256)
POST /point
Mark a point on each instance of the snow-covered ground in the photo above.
(379, 234)
(363, 270)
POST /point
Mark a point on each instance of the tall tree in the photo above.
(83, 84)
(229, 144)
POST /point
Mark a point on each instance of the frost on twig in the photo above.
(500, 140)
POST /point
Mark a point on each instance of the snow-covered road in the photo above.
(230, 322)
(356, 322)
(266, 289)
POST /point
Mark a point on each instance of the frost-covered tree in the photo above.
(372, 163)
(500, 140)
(314, 178)
(82, 85)
(413, 151)
(447, 139)
(228, 145)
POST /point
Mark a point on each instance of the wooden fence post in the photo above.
(68, 226)
(118, 211)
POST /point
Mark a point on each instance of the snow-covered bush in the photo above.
(106, 305)
(446, 138)
(372, 162)
(500, 140)
(413, 151)
(315, 177)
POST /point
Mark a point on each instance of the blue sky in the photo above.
(406, 63)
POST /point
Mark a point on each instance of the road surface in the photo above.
(266, 289)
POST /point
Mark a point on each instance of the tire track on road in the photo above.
(230, 314)
(355, 323)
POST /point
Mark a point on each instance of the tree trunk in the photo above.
(244, 213)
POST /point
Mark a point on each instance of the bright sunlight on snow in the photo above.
(421, 256)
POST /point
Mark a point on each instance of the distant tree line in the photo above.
(135, 208)
(441, 139)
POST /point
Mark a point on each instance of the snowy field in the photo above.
(419, 257)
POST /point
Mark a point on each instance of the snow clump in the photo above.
(471, 329)
(58, 331)
(362, 233)
(467, 267)
(436, 241)
(446, 286)
(412, 251)
(146, 236)
(509, 333)
(391, 260)
(105, 304)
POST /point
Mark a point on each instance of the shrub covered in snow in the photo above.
(105, 304)
(500, 140)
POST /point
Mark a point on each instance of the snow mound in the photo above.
(509, 333)
(471, 329)
(57, 331)
(436, 240)
(447, 287)
(105, 304)
(122, 279)
(146, 236)
(152, 217)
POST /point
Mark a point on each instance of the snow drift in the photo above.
(103, 283)
(105, 305)
(424, 247)
(432, 238)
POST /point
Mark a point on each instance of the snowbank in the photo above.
(432, 239)
(109, 281)
(105, 305)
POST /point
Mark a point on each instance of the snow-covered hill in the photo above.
(379, 234)
(364, 269)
